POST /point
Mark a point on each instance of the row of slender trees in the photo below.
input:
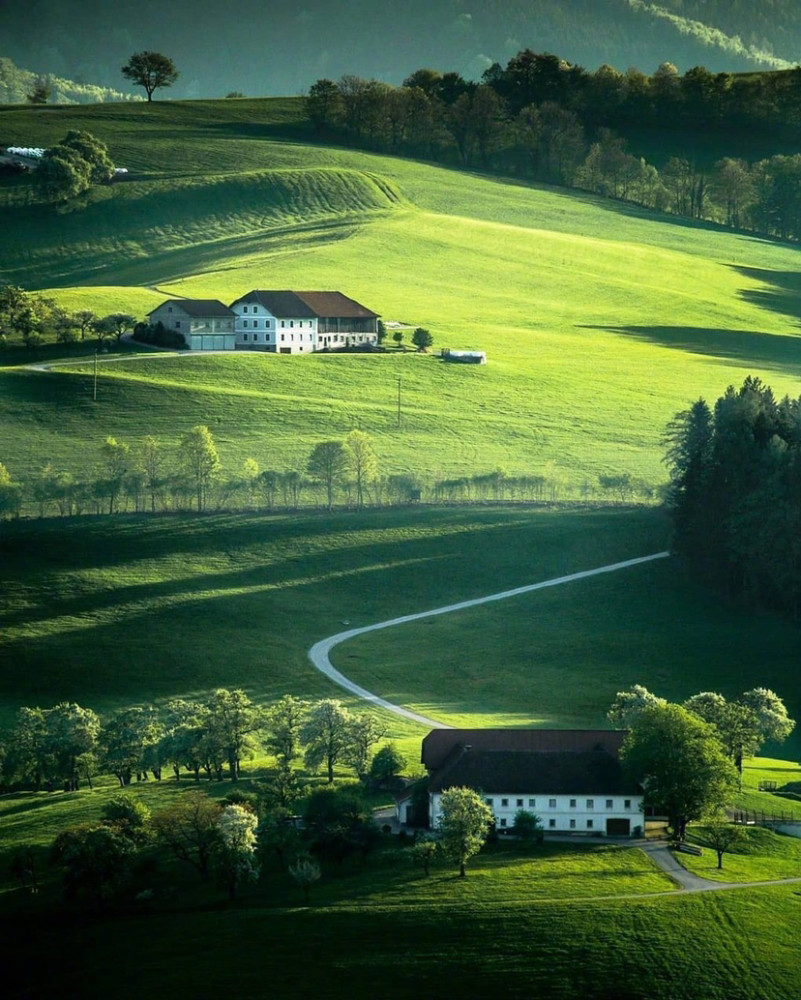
(152, 477)
(543, 118)
(60, 747)
(735, 493)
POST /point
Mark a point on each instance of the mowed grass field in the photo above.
(732, 945)
(123, 610)
(600, 321)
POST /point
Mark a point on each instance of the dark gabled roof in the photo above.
(280, 303)
(440, 742)
(197, 307)
(307, 305)
(534, 772)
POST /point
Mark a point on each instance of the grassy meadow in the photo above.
(600, 321)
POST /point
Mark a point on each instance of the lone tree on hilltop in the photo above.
(150, 70)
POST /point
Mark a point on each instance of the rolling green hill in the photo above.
(601, 321)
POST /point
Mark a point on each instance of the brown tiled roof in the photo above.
(197, 307)
(440, 742)
(335, 305)
(307, 305)
(534, 772)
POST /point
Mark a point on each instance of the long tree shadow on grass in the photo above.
(777, 352)
(784, 295)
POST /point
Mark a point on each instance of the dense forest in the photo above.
(735, 493)
(540, 117)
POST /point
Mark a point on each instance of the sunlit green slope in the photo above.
(600, 321)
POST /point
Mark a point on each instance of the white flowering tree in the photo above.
(237, 852)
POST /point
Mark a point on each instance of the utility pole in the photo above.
(94, 390)
(399, 400)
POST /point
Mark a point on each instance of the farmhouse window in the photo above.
(255, 323)
(283, 324)
(572, 803)
(609, 804)
(519, 803)
(292, 322)
(627, 803)
(552, 824)
(244, 336)
(283, 336)
(572, 824)
(532, 803)
(245, 323)
(245, 309)
(255, 309)
(177, 324)
(503, 822)
(552, 803)
(589, 824)
(504, 802)
(169, 309)
(490, 802)
(590, 803)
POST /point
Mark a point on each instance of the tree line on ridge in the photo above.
(542, 118)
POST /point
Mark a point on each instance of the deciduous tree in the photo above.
(326, 732)
(364, 731)
(237, 847)
(722, 835)
(680, 763)
(629, 705)
(233, 723)
(129, 742)
(94, 859)
(282, 723)
(464, 823)
(200, 461)
(327, 464)
(363, 461)
(189, 828)
(150, 70)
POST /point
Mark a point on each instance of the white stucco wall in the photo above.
(559, 813)
(258, 329)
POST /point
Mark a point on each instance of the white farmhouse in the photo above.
(571, 779)
(205, 324)
(286, 322)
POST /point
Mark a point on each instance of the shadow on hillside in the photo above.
(784, 295)
(777, 352)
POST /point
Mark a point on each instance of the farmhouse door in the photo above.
(618, 827)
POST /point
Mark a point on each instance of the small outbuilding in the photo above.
(205, 324)
(464, 357)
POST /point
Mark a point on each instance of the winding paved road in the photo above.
(319, 653)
